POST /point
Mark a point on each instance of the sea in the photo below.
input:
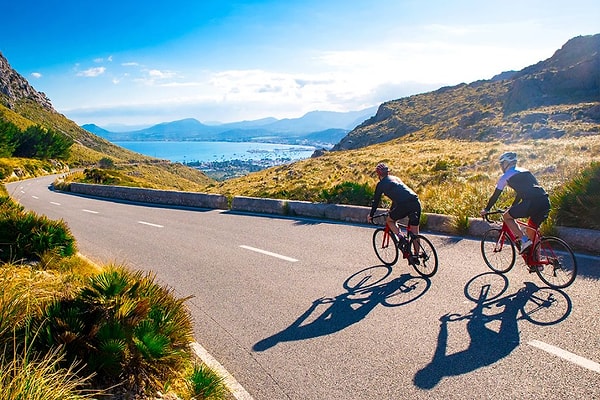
(192, 151)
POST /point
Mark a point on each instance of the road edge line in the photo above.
(232, 384)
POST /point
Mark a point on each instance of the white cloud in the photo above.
(158, 74)
(156, 77)
(36, 75)
(92, 72)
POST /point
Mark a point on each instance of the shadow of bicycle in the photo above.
(365, 290)
(492, 325)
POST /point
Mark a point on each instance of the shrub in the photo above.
(29, 236)
(349, 193)
(123, 326)
(96, 175)
(576, 203)
(106, 163)
(204, 383)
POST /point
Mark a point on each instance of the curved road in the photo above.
(301, 309)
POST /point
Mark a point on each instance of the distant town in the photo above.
(223, 170)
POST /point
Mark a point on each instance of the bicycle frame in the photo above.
(545, 251)
(530, 257)
(388, 233)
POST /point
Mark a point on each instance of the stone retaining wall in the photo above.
(582, 239)
(152, 196)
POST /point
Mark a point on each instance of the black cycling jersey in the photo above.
(395, 189)
(521, 181)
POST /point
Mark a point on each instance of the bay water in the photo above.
(192, 151)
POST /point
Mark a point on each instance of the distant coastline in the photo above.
(221, 160)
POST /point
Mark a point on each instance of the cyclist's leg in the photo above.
(393, 216)
(519, 210)
(539, 209)
(391, 222)
(414, 216)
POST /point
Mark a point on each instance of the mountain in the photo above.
(317, 128)
(555, 97)
(23, 106)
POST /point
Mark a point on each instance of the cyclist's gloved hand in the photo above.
(483, 212)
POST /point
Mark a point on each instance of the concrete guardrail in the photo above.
(582, 239)
(153, 196)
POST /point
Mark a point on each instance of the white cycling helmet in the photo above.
(508, 159)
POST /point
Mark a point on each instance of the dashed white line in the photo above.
(90, 211)
(150, 224)
(35, 197)
(574, 358)
(290, 259)
(55, 203)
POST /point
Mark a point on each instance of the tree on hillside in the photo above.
(8, 132)
(36, 142)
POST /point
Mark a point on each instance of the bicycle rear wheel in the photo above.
(498, 251)
(427, 264)
(556, 264)
(386, 246)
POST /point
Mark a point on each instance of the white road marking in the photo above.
(150, 224)
(35, 197)
(55, 203)
(574, 358)
(90, 211)
(269, 253)
(234, 387)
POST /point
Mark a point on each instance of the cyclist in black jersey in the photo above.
(531, 200)
(405, 202)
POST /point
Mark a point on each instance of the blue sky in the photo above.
(140, 63)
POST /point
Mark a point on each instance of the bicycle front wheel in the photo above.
(427, 260)
(556, 265)
(385, 246)
(498, 250)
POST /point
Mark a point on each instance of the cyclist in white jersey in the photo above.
(531, 199)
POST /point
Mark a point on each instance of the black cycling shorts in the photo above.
(410, 209)
(536, 208)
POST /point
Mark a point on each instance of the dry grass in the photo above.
(452, 177)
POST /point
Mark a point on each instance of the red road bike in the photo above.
(417, 249)
(549, 257)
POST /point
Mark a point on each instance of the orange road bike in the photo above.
(417, 249)
(549, 257)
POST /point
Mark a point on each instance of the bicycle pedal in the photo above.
(535, 268)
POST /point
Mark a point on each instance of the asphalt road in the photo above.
(302, 309)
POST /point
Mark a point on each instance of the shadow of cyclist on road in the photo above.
(344, 310)
(487, 346)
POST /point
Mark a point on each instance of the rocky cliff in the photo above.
(15, 88)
